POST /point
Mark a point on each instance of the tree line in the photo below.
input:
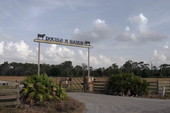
(66, 69)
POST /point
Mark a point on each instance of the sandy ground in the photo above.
(100, 103)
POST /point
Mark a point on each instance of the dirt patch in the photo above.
(67, 106)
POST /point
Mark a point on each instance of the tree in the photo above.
(127, 67)
(66, 68)
(78, 71)
(165, 70)
(55, 70)
(4, 68)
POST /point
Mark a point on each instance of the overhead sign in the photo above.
(42, 38)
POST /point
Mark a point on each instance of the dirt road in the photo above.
(99, 103)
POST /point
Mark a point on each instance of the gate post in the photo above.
(38, 58)
(85, 83)
(90, 83)
(88, 62)
(157, 87)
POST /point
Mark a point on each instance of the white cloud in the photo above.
(160, 56)
(22, 48)
(127, 28)
(100, 61)
(76, 31)
(143, 34)
(166, 46)
(105, 59)
(1, 47)
(95, 61)
(18, 51)
(127, 35)
(98, 23)
(82, 55)
(141, 21)
(55, 54)
(100, 31)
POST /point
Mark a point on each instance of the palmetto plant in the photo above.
(39, 88)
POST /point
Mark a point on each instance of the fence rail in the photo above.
(153, 87)
(157, 86)
(9, 97)
(99, 86)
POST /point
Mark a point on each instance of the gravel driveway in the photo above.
(100, 103)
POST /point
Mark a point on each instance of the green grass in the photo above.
(7, 87)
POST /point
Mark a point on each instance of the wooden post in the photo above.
(88, 63)
(38, 58)
(88, 76)
(157, 89)
(163, 91)
(18, 95)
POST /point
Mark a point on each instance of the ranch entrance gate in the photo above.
(70, 84)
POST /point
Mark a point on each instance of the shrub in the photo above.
(126, 84)
(39, 88)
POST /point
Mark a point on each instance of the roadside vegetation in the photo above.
(127, 84)
(39, 89)
(41, 95)
(66, 106)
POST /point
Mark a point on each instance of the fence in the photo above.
(164, 84)
(75, 84)
(153, 87)
(155, 84)
(99, 85)
(9, 97)
(157, 87)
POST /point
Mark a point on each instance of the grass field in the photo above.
(7, 87)
(147, 79)
(56, 79)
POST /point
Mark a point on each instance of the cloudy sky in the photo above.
(119, 30)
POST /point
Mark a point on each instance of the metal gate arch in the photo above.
(78, 84)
